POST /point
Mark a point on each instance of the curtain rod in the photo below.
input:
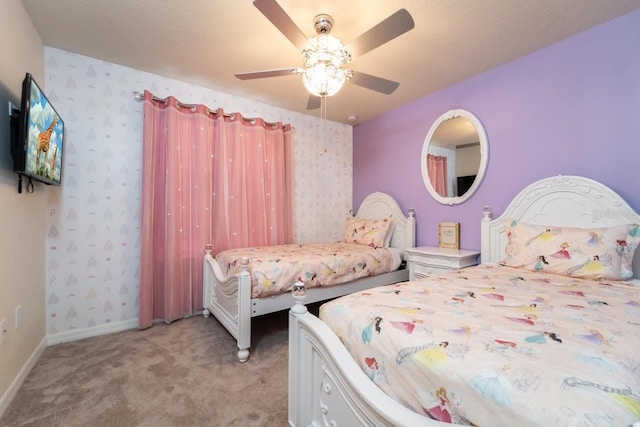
(139, 97)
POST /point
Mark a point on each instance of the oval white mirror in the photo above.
(454, 157)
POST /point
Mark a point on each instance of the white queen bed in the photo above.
(234, 301)
(328, 387)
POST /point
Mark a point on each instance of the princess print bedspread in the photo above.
(274, 269)
(493, 345)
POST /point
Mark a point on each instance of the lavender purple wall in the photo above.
(572, 109)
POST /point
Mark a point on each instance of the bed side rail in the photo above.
(327, 387)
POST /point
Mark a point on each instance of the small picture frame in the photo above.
(449, 235)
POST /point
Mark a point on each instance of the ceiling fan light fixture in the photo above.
(323, 74)
(324, 80)
(325, 57)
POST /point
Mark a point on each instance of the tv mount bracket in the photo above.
(14, 113)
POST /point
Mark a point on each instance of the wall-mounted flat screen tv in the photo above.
(39, 137)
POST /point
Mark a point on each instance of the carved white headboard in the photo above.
(563, 201)
(381, 205)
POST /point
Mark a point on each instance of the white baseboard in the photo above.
(22, 375)
(78, 334)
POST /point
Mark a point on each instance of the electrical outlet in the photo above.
(3, 329)
(18, 317)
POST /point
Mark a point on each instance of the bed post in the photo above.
(485, 249)
(295, 356)
(411, 219)
(206, 281)
(244, 310)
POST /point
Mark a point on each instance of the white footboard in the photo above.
(328, 388)
(229, 300)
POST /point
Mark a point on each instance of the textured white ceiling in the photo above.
(205, 42)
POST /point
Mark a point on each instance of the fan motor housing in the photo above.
(323, 23)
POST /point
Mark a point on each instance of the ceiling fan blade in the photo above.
(278, 17)
(374, 83)
(392, 27)
(266, 73)
(314, 102)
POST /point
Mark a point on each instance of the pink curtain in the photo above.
(437, 167)
(207, 178)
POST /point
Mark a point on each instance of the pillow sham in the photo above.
(593, 253)
(368, 232)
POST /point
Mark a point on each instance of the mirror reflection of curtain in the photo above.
(207, 178)
(437, 167)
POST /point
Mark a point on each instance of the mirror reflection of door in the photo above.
(453, 157)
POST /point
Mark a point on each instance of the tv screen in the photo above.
(464, 183)
(40, 136)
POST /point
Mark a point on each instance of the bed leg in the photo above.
(243, 355)
(206, 282)
(244, 310)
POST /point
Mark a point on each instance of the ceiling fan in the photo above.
(325, 57)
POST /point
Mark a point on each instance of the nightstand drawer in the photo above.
(442, 263)
(419, 270)
(429, 261)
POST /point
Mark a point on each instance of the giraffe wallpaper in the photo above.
(92, 226)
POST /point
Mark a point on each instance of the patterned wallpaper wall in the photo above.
(93, 233)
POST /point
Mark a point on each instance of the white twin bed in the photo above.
(542, 348)
(232, 298)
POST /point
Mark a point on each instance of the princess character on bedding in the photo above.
(543, 333)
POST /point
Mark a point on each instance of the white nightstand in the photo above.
(429, 260)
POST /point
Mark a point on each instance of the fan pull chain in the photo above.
(323, 125)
